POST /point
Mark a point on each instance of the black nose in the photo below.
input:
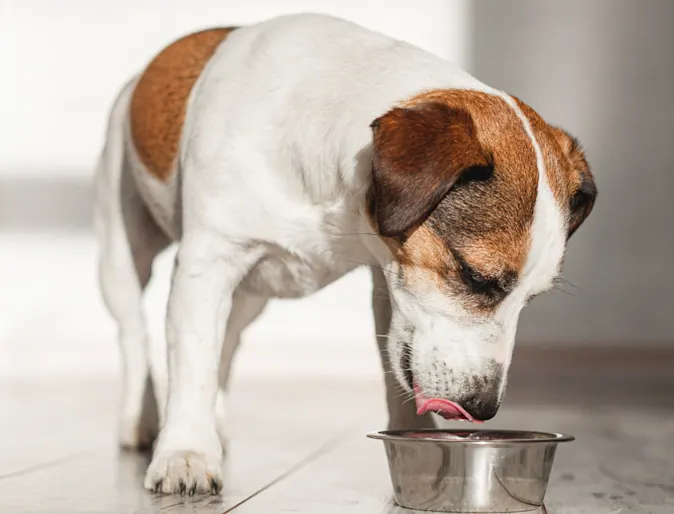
(482, 405)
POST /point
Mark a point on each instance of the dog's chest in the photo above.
(282, 274)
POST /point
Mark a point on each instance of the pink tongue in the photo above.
(447, 409)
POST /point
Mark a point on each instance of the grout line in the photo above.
(324, 448)
(43, 465)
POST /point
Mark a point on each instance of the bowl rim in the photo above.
(397, 435)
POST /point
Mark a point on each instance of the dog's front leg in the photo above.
(402, 411)
(188, 455)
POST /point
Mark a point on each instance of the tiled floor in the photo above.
(302, 449)
(301, 406)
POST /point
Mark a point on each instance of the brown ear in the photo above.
(584, 193)
(419, 153)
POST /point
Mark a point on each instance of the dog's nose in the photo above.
(482, 405)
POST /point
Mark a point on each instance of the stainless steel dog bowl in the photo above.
(470, 470)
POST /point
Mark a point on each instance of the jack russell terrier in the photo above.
(281, 156)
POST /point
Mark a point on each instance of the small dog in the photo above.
(282, 155)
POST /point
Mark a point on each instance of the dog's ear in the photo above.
(585, 191)
(419, 153)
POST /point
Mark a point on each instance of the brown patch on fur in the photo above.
(557, 166)
(571, 149)
(467, 232)
(159, 102)
(567, 170)
(425, 260)
(419, 153)
(483, 225)
(499, 132)
(426, 250)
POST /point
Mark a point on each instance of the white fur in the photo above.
(548, 244)
(274, 164)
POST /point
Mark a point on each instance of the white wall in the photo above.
(604, 70)
(64, 60)
(53, 321)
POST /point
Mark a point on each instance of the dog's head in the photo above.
(475, 197)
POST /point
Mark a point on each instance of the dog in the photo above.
(282, 155)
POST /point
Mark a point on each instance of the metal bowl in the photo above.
(470, 470)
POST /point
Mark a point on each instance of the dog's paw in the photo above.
(184, 472)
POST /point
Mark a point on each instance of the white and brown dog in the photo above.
(281, 156)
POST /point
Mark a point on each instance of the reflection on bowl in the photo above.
(470, 470)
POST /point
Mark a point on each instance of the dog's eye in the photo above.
(493, 288)
(479, 284)
(579, 200)
(475, 174)
(581, 204)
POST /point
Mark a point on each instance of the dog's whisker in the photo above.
(402, 395)
(358, 263)
(407, 400)
(392, 372)
(562, 280)
(560, 289)
(355, 234)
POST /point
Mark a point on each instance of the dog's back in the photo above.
(312, 78)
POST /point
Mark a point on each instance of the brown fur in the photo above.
(481, 229)
(425, 252)
(420, 152)
(159, 101)
(567, 169)
(557, 166)
(572, 150)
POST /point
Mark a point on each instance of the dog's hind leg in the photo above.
(245, 308)
(129, 240)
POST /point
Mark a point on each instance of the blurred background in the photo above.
(602, 69)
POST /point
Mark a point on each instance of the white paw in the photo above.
(184, 472)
